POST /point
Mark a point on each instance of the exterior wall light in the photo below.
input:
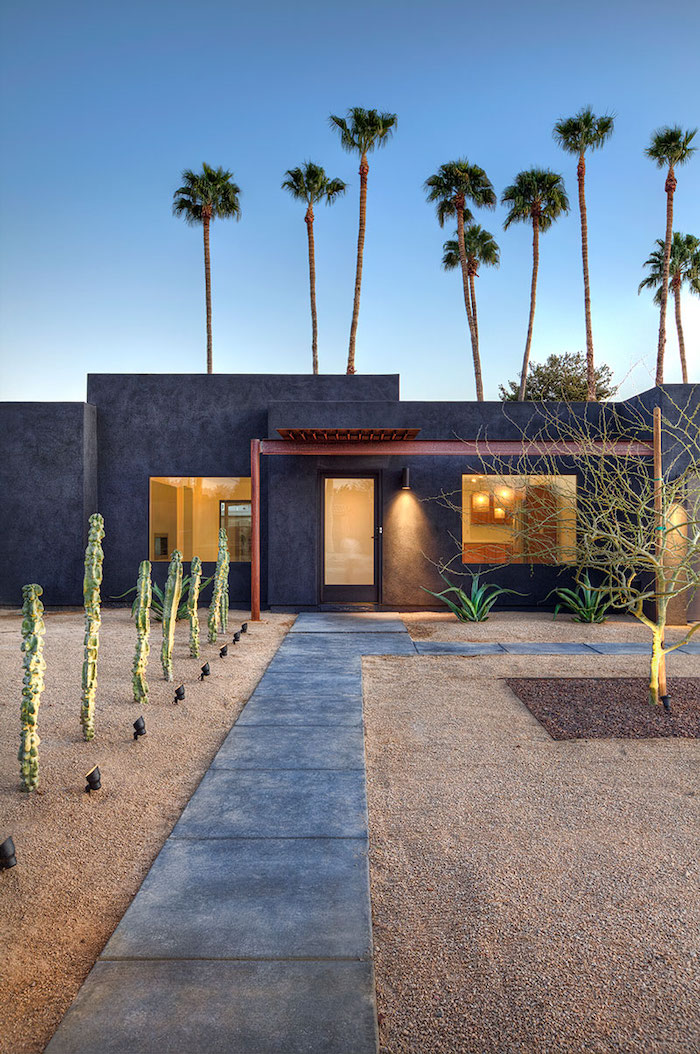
(223, 652)
(179, 693)
(406, 479)
(7, 854)
(205, 671)
(94, 780)
(139, 727)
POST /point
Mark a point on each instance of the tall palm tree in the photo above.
(683, 269)
(480, 248)
(361, 132)
(449, 189)
(205, 196)
(669, 148)
(538, 197)
(311, 184)
(577, 134)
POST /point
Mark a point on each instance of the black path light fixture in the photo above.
(406, 478)
(139, 727)
(179, 693)
(205, 671)
(244, 627)
(8, 856)
(236, 637)
(223, 652)
(94, 780)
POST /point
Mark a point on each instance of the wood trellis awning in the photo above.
(348, 435)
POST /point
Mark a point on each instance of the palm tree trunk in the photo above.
(590, 363)
(679, 327)
(467, 301)
(207, 288)
(670, 190)
(364, 171)
(312, 286)
(533, 295)
(475, 321)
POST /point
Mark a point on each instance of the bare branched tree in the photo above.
(637, 526)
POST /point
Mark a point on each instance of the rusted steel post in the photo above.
(659, 524)
(255, 530)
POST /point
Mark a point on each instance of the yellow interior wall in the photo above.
(186, 508)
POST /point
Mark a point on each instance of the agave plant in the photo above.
(158, 598)
(586, 603)
(475, 605)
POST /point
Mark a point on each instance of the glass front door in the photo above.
(350, 569)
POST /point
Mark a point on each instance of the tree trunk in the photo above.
(670, 188)
(312, 286)
(656, 657)
(467, 303)
(679, 327)
(475, 322)
(364, 171)
(207, 288)
(533, 296)
(590, 363)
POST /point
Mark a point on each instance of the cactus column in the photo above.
(171, 602)
(91, 594)
(142, 614)
(33, 685)
(219, 597)
(192, 601)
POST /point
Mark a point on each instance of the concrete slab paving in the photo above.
(622, 648)
(273, 803)
(176, 1007)
(274, 899)
(302, 710)
(351, 622)
(541, 648)
(305, 747)
(445, 647)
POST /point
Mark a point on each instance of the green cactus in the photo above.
(91, 594)
(142, 615)
(171, 602)
(218, 609)
(192, 601)
(33, 681)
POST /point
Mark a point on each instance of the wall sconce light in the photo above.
(139, 727)
(8, 858)
(205, 671)
(94, 780)
(179, 693)
(223, 652)
(244, 627)
(406, 479)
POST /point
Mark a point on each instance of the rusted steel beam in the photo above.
(455, 448)
(255, 445)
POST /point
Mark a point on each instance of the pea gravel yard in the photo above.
(528, 895)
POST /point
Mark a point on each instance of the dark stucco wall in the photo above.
(49, 486)
(190, 425)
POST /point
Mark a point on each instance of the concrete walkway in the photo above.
(252, 931)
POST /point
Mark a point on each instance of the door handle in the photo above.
(379, 531)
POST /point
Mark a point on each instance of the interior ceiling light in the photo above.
(139, 727)
(94, 780)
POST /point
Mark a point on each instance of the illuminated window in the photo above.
(186, 513)
(518, 519)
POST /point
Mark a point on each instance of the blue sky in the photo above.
(105, 104)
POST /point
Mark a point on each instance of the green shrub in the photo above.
(475, 605)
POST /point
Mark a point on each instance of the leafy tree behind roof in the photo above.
(562, 378)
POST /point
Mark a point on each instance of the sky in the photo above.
(104, 105)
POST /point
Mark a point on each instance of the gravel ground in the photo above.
(594, 707)
(81, 858)
(528, 895)
(530, 626)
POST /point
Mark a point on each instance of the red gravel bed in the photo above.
(609, 708)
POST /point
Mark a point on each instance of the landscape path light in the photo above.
(94, 780)
(8, 857)
(244, 627)
(223, 652)
(139, 727)
(236, 638)
(205, 671)
(179, 693)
